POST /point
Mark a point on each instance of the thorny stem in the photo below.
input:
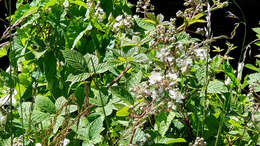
(61, 134)
(118, 77)
(45, 140)
(209, 36)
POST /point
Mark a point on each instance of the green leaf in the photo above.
(60, 102)
(94, 58)
(258, 43)
(79, 3)
(163, 122)
(45, 104)
(25, 110)
(89, 27)
(141, 58)
(123, 112)
(135, 79)
(103, 67)
(123, 94)
(75, 60)
(144, 24)
(235, 123)
(58, 123)
(217, 87)
(196, 21)
(95, 128)
(38, 116)
(176, 140)
(252, 67)
(257, 30)
(254, 80)
(100, 97)
(78, 78)
(3, 51)
(38, 54)
(139, 136)
(50, 3)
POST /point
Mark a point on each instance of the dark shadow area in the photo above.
(4, 23)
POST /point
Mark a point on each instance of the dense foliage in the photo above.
(92, 73)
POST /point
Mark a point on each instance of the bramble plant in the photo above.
(89, 72)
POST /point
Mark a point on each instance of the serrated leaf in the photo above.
(45, 104)
(123, 112)
(103, 67)
(141, 58)
(89, 27)
(75, 60)
(38, 116)
(96, 127)
(139, 136)
(123, 94)
(60, 102)
(26, 109)
(78, 78)
(217, 87)
(58, 123)
(135, 79)
(176, 140)
(145, 25)
(164, 122)
(88, 58)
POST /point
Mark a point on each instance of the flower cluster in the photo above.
(144, 6)
(159, 86)
(199, 142)
(99, 12)
(164, 33)
(123, 22)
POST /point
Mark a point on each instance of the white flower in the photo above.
(227, 81)
(172, 76)
(38, 144)
(176, 95)
(155, 77)
(66, 142)
(119, 18)
(234, 118)
(201, 53)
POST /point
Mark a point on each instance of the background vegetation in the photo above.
(92, 73)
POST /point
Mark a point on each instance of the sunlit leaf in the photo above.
(123, 112)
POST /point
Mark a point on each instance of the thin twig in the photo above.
(55, 140)
(118, 77)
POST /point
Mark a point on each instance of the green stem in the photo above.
(10, 72)
(102, 102)
(220, 128)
